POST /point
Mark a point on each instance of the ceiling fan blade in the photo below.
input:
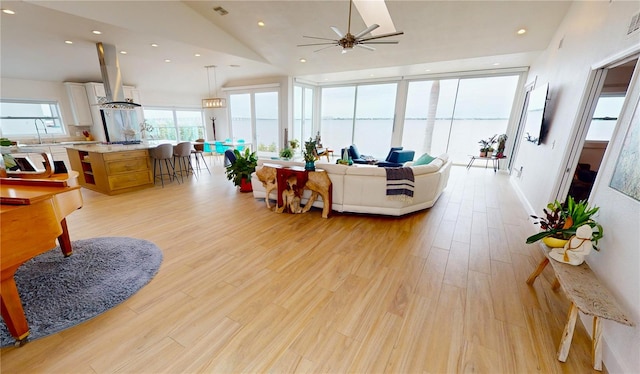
(367, 30)
(365, 47)
(380, 42)
(383, 35)
(321, 49)
(305, 45)
(337, 31)
(316, 37)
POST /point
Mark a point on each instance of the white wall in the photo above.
(590, 33)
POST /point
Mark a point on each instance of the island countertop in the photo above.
(110, 148)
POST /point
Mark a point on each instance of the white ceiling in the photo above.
(439, 36)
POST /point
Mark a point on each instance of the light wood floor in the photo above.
(242, 289)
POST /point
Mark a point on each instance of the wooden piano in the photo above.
(33, 215)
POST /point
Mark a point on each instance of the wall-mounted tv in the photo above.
(533, 129)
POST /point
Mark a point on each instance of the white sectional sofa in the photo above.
(362, 189)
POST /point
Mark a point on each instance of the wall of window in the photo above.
(452, 115)
(175, 124)
(30, 118)
(254, 117)
(360, 114)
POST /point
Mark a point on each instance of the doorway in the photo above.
(593, 137)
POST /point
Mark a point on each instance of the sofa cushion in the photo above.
(425, 159)
(400, 157)
(388, 158)
(355, 153)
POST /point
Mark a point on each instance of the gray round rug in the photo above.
(58, 292)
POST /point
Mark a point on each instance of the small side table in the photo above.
(494, 160)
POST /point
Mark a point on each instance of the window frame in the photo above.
(34, 132)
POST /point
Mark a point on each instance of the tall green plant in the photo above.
(242, 168)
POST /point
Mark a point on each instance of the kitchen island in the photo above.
(112, 169)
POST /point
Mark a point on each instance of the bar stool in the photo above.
(198, 152)
(182, 154)
(163, 152)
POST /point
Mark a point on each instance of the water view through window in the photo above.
(449, 115)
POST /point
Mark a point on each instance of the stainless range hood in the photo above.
(112, 79)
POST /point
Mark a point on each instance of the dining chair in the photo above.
(219, 149)
(163, 152)
(198, 152)
(240, 146)
(182, 154)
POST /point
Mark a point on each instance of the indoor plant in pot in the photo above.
(309, 154)
(563, 219)
(502, 140)
(286, 153)
(240, 171)
(486, 146)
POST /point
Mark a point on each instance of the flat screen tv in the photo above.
(534, 125)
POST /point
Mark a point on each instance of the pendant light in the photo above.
(213, 102)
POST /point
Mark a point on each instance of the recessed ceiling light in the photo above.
(154, 45)
(197, 55)
(496, 63)
(261, 23)
(427, 70)
(8, 11)
(68, 42)
(96, 32)
(521, 31)
(167, 60)
(123, 52)
(303, 60)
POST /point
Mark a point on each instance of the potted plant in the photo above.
(309, 154)
(563, 219)
(294, 144)
(286, 153)
(486, 146)
(502, 140)
(240, 170)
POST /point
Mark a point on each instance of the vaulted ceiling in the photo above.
(439, 36)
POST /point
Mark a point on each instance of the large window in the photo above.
(175, 124)
(453, 115)
(30, 118)
(255, 119)
(302, 114)
(361, 114)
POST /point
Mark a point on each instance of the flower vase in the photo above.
(310, 166)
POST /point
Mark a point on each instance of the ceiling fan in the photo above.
(348, 41)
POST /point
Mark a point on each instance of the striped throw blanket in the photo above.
(400, 183)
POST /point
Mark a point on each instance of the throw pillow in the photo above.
(425, 159)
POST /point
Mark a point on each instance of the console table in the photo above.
(317, 181)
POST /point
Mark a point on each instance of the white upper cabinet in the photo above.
(80, 108)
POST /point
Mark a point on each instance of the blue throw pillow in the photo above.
(425, 159)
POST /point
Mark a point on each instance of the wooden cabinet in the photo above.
(79, 101)
(112, 172)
